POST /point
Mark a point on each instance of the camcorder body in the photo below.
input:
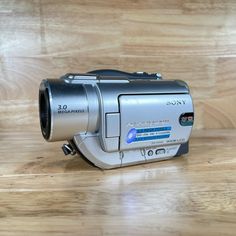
(115, 119)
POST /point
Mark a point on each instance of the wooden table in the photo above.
(45, 193)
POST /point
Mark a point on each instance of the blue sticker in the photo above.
(131, 136)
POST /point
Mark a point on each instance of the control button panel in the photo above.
(155, 152)
(161, 152)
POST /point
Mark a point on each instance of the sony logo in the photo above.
(176, 102)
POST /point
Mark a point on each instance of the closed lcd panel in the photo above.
(154, 120)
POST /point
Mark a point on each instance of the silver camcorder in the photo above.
(115, 118)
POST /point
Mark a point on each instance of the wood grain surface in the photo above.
(190, 40)
(44, 193)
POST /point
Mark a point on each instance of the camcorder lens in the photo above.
(66, 109)
(45, 113)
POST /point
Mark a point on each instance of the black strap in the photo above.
(118, 73)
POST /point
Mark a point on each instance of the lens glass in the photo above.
(44, 113)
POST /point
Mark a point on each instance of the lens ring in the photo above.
(45, 113)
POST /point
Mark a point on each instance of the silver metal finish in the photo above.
(153, 111)
(91, 149)
(93, 108)
(69, 109)
(115, 121)
(112, 125)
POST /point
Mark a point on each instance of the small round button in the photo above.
(150, 153)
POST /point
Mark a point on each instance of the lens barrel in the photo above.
(66, 109)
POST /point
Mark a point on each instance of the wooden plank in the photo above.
(43, 192)
(40, 39)
(154, 34)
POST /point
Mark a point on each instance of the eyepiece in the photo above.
(45, 113)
